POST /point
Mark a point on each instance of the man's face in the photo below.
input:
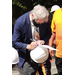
(40, 21)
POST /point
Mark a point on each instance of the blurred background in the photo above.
(20, 7)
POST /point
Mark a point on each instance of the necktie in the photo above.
(37, 37)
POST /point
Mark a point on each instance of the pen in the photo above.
(32, 40)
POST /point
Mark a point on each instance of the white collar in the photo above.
(31, 21)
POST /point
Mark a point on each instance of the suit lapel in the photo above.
(29, 31)
(29, 26)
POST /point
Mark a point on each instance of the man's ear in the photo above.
(32, 16)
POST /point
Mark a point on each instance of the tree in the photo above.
(19, 7)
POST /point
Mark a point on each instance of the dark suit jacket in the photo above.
(22, 34)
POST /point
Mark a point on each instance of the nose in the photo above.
(42, 22)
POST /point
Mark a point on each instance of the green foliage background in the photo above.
(20, 7)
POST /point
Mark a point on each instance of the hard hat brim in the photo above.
(15, 56)
(39, 57)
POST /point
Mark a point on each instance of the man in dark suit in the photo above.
(24, 32)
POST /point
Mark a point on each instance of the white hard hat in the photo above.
(39, 54)
(15, 57)
(54, 8)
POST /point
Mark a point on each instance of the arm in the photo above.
(16, 38)
(51, 40)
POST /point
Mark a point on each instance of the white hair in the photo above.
(40, 12)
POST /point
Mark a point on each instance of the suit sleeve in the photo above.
(16, 38)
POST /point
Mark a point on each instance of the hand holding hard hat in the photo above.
(15, 57)
(40, 53)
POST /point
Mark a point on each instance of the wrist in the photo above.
(28, 46)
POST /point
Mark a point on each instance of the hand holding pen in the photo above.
(34, 44)
(39, 42)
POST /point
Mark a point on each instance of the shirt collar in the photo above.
(31, 21)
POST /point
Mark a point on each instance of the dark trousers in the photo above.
(30, 67)
(58, 62)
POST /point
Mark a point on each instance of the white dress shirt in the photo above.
(32, 28)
